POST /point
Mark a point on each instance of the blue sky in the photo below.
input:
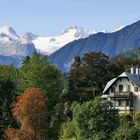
(50, 17)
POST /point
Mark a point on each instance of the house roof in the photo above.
(132, 77)
(109, 84)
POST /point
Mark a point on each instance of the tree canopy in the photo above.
(95, 119)
(30, 113)
(7, 96)
(88, 76)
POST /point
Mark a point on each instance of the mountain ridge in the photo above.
(110, 44)
(18, 47)
(13, 48)
(54, 43)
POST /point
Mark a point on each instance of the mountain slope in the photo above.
(133, 54)
(52, 44)
(8, 31)
(111, 44)
(13, 48)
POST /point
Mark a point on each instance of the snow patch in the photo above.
(118, 28)
(52, 44)
(9, 31)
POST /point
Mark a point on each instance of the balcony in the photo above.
(121, 94)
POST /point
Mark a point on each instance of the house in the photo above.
(124, 91)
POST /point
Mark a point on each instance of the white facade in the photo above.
(127, 86)
(124, 92)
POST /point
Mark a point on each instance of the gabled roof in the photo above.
(109, 84)
(132, 77)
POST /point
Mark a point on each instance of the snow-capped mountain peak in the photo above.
(29, 36)
(8, 31)
(77, 32)
(72, 28)
(13, 45)
(52, 44)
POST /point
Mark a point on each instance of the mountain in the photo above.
(29, 36)
(15, 48)
(12, 47)
(74, 41)
(111, 44)
(51, 44)
(16, 61)
(8, 31)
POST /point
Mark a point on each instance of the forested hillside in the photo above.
(133, 54)
(38, 102)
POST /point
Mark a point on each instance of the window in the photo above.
(131, 103)
(127, 102)
(116, 103)
(112, 89)
(121, 103)
(120, 88)
(128, 88)
(136, 89)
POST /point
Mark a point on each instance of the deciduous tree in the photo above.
(30, 112)
(88, 76)
(37, 72)
(95, 120)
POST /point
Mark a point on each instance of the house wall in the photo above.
(125, 82)
(137, 103)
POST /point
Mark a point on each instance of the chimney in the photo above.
(132, 70)
(137, 71)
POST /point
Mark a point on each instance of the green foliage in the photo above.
(126, 121)
(36, 72)
(7, 96)
(133, 55)
(68, 130)
(88, 76)
(124, 61)
(128, 129)
(137, 119)
(95, 119)
(130, 134)
(73, 110)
